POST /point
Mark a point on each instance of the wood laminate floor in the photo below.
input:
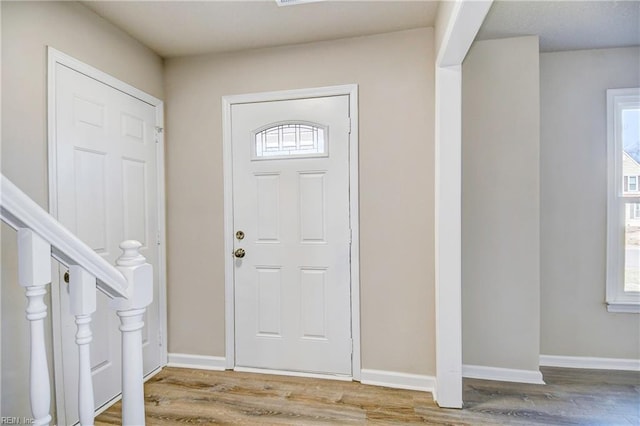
(571, 397)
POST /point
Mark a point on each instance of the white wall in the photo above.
(395, 74)
(573, 161)
(27, 29)
(500, 204)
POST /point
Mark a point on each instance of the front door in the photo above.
(106, 180)
(292, 235)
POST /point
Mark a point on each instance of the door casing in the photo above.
(227, 101)
(56, 57)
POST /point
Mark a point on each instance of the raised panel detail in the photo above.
(88, 112)
(90, 202)
(268, 207)
(313, 303)
(132, 127)
(269, 298)
(101, 323)
(312, 207)
(134, 200)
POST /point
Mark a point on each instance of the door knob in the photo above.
(66, 277)
(239, 253)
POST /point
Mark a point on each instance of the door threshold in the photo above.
(340, 377)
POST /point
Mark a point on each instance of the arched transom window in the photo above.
(295, 139)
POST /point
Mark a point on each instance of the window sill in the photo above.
(624, 308)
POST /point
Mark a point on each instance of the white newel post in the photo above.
(139, 275)
(34, 274)
(82, 290)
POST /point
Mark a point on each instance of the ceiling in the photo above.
(179, 28)
(186, 27)
(566, 25)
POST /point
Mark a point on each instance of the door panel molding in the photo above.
(227, 101)
(54, 58)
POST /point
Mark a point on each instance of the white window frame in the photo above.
(617, 299)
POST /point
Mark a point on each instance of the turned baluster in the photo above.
(34, 274)
(82, 290)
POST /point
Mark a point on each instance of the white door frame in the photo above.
(56, 57)
(227, 101)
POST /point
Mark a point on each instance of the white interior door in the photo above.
(106, 180)
(291, 218)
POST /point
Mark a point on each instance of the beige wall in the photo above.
(27, 29)
(573, 164)
(396, 83)
(500, 204)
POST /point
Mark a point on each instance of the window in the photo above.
(623, 203)
(286, 140)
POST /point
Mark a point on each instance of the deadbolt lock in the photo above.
(240, 235)
(239, 253)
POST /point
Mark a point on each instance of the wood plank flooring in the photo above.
(570, 397)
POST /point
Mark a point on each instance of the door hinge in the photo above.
(159, 337)
(349, 125)
(158, 131)
(158, 241)
(350, 235)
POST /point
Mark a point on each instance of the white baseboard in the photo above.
(393, 379)
(199, 362)
(590, 362)
(502, 374)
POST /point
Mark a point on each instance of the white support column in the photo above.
(34, 273)
(448, 236)
(139, 275)
(457, 24)
(82, 289)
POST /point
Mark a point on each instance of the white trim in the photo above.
(354, 213)
(199, 362)
(294, 374)
(502, 374)
(617, 299)
(283, 3)
(396, 380)
(54, 57)
(229, 291)
(623, 308)
(354, 216)
(590, 362)
(461, 27)
(163, 322)
(283, 95)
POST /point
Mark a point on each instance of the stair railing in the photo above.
(129, 284)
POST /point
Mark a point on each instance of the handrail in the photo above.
(20, 211)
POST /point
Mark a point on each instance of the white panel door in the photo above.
(106, 181)
(291, 202)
